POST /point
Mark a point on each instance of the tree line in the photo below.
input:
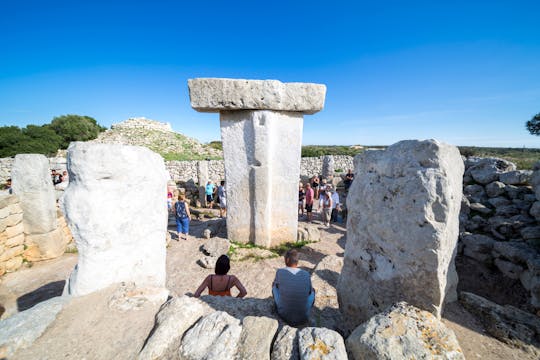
(47, 139)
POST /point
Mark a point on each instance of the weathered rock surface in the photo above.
(478, 247)
(215, 336)
(172, 321)
(32, 183)
(119, 236)
(308, 232)
(320, 343)
(241, 308)
(506, 323)
(22, 329)
(215, 94)
(487, 170)
(408, 254)
(403, 332)
(324, 280)
(260, 184)
(286, 344)
(256, 338)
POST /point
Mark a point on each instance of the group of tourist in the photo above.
(327, 196)
(60, 180)
(219, 194)
(292, 291)
(181, 206)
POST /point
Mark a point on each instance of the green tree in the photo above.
(10, 138)
(533, 125)
(75, 128)
(40, 140)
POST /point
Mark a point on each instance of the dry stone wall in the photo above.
(499, 220)
(11, 234)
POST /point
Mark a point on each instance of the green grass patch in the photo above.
(283, 248)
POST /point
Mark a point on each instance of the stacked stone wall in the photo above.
(11, 234)
(499, 222)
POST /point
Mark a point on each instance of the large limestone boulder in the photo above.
(172, 321)
(402, 229)
(286, 345)
(256, 337)
(403, 332)
(116, 209)
(22, 329)
(216, 95)
(215, 336)
(320, 343)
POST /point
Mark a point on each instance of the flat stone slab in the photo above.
(215, 95)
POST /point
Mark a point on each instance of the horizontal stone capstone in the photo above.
(216, 94)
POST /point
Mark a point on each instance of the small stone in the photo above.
(216, 247)
(495, 189)
(481, 208)
(518, 177)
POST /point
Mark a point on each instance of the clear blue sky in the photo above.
(464, 72)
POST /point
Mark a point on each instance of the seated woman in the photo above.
(220, 284)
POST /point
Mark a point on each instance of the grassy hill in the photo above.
(169, 144)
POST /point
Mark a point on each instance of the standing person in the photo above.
(348, 179)
(182, 216)
(326, 207)
(315, 185)
(322, 194)
(292, 291)
(336, 206)
(209, 191)
(310, 195)
(220, 284)
(301, 197)
(222, 198)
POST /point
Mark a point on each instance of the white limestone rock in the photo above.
(321, 343)
(216, 247)
(487, 170)
(402, 229)
(262, 167)
(32, 183)
(22, 329)
(286, 345)
(403, 332)
(215, 336)
(256, 337)
(215, 95)
(116, 209)
(172, 321)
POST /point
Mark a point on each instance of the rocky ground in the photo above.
(24, 288)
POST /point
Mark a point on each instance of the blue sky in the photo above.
(463, 72)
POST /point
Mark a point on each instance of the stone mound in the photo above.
(158, 137)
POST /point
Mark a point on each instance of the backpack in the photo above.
(181, 210)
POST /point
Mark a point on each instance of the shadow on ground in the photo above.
(45, 292)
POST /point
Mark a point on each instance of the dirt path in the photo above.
(24, 288)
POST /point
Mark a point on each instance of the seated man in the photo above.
(292, 291)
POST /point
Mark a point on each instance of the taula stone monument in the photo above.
(116, 209)
(402, 229)
(261, 130)
(32, 183)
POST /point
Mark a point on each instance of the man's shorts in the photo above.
(309, 208)
(209, 198)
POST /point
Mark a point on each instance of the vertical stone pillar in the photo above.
(32, 183)
(261, 130)
(402, 229)
(202, 176)
(116, 208)
(328, 166)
